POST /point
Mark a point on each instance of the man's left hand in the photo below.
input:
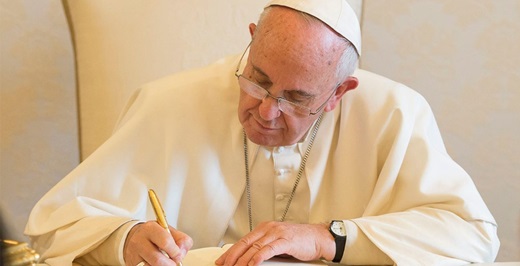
(305, 242)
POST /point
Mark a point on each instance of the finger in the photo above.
(183, 242)
(233, 253)
(259, 252)
(261, 233)
(135, 261)
(152, 255)
(165, 243)
(264, 249)
(250, 256)
(145, 241)
(141, 263)
(231, 256)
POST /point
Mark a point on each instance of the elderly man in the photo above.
(322, 163)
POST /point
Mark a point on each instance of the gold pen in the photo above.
(159, 213)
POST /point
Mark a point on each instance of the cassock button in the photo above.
(280, 196)
(281, 171)
(279, 149)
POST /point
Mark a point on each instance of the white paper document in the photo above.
(207, 257)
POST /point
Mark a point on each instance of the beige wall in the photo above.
(463, 56)
(38, 114)
(459, 54)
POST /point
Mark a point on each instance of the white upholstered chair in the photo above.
(119, 45)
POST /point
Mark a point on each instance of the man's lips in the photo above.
(263, 126)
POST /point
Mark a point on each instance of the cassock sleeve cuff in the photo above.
(360, 250)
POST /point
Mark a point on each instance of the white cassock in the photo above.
(378, 162)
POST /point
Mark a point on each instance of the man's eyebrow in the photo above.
(294, 90)
(259, 70)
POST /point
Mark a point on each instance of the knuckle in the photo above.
(244, 241)
(159, 259)
(271, 223)
(271, 247)
(185, 241)
(257, 246)
(148, 224)
(189, 242)
(169, 246)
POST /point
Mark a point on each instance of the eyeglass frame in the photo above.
(280, 99)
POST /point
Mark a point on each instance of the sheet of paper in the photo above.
(207, 257)
(204, 256)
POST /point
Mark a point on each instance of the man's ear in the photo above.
(252, 28)
(349, 84)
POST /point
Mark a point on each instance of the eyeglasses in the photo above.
(258, 92)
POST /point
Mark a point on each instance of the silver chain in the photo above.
(296, 182)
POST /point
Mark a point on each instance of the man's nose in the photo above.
(268, 108)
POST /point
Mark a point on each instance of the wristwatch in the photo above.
(339, 232)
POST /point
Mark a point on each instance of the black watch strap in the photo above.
(340, 248)
(340, 241)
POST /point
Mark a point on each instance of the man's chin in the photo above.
(261, 139)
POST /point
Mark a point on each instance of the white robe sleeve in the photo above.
(424, 208)
(156, 145)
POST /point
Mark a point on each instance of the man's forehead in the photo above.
(337, 14)
(304, 85)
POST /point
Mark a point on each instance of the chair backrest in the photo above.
(119, 45)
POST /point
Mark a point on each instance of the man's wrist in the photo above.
(328, 246)
(122, 239)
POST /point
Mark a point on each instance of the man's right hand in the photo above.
(146, 241)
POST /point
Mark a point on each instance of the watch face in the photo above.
(338, 228)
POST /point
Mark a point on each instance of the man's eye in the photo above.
(297, 98)
(262, 83)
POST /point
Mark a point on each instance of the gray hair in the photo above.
(347, 63)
